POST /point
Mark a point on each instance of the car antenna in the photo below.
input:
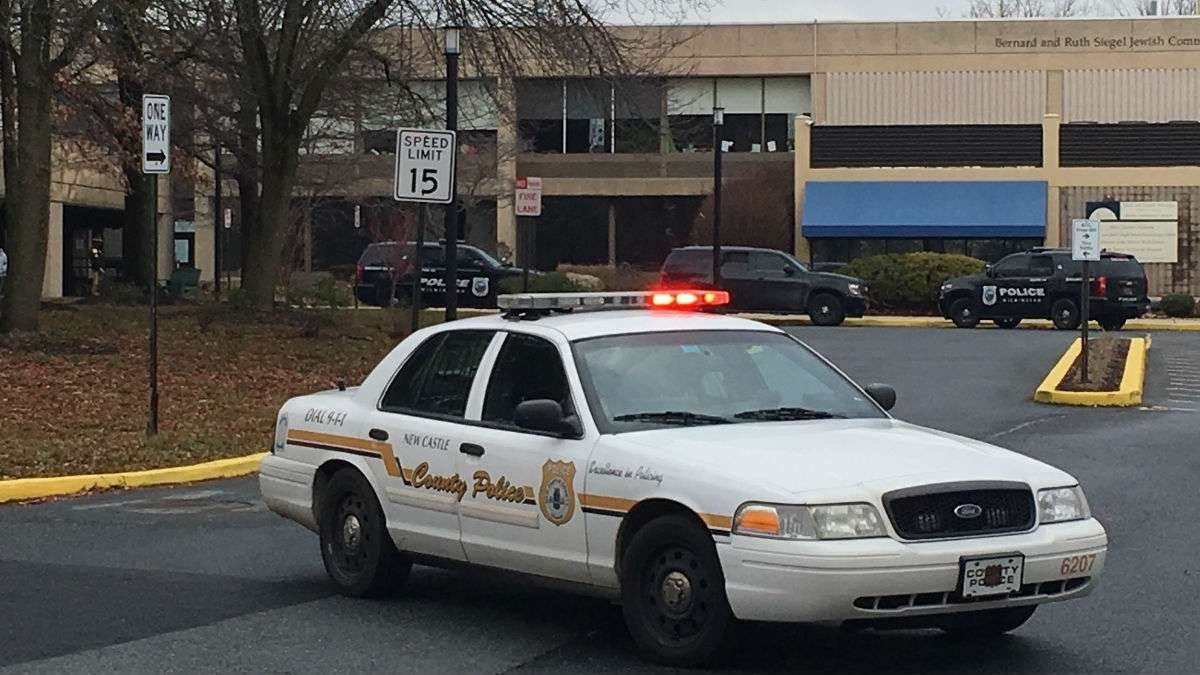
(341, 384)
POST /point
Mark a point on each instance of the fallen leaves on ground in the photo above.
(75, 398)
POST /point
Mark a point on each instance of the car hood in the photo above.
(813, 457)
(965, 281)
(841, 278)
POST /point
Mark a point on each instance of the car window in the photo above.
(1013, 266)
(770, 265)
(736, 265)
(716, 374)
(526, 369)
(437, 377)
(432, 256)
(688, 262)
(378, 254)
(1041, 266)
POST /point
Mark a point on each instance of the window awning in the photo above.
(925, 209)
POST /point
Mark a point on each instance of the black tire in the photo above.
(988, 623)
(963, 313)
(357, 550)
(1008, 323)
(673, 592)
(1112, 322)
(825, 309)
(1065, 314)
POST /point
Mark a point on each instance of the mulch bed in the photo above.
(1106, 366)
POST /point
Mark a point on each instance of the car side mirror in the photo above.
(988, 271)
(545, 415)
(883, 394)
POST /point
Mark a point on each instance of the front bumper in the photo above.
(835, 581)
(855, 306)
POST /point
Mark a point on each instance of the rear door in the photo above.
(1013, 291)
(522, 509)
(739, 279)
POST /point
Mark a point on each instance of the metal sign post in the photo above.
(425, 161)
(1085, 247)
(156, 160)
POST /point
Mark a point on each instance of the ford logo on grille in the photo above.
(967, 511)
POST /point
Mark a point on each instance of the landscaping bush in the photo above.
(910, 281)
(550, 282)
(623, 277)
(1178, 305)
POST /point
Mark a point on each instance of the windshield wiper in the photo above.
(786, 414)
(672, 417)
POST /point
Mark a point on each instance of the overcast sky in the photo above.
(750, 11)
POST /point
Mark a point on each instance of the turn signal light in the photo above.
(1100, 286)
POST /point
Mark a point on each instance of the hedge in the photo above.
(1178, 305)
(910, 281)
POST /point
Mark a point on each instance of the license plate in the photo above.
(991, 576)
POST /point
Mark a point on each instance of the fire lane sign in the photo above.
(528, 196)
(425, 166)
(156, 134)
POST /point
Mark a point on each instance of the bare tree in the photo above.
(997, 9)
(39, 41)
(1156, 7)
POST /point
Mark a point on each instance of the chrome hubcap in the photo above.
(676, 591)
(351, 532)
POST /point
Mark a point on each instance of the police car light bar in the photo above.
(632, 300)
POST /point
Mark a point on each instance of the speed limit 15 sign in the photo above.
(425, 165)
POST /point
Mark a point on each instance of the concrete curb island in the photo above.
(1128, 394)
(21, 489)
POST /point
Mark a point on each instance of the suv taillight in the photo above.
(1100, 286)
(358, 273)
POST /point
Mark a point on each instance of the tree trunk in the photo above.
(266, 235)
(29, 187)
(135, 236)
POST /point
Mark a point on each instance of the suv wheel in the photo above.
(357, 550)
(1008, 323)
(1112, 322)
(963, 313)
(825, 309)
(987, 623)
(673, 592)
(1065, 314)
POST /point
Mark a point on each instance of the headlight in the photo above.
(834, 521)
(1058, 505)
(854, 289)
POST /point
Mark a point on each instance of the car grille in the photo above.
(929, 512)
(891, 603)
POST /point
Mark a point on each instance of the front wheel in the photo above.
(673, 592)
(1065, 314)
(825, 309)
(357, 550)
(1112, 322)
(963, 313)
(1007, 323)
(986, 624)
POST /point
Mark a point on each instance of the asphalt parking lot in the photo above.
(201, 578)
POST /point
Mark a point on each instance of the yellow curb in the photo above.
(1128, 394)
(37, 488)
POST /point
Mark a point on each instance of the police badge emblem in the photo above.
(557, 494)
(479, 287)
(989, 295)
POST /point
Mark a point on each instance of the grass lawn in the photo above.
(74, 399)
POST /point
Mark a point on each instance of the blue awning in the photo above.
(925, 209)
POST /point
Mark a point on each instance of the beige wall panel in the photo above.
(1052, 37)
(942, 37)
(856, 38)
(954, 97)
(1121, 95)
(1166, 35)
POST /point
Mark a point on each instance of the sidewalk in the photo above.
(939, 322)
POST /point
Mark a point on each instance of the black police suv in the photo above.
(479, 274)
(1044, 283)
(765, 280)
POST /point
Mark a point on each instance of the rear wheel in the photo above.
(1065, 314)
(357, 550)
(1007, 323)
(673, 592)
(963, 313)
(825, 309)
(986, 624)
(1112, 322)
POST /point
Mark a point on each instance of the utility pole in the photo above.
(218, 222)
(718, 150)
(451, 214)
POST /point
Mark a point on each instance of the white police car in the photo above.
(699, 467)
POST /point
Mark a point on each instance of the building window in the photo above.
(760, 113)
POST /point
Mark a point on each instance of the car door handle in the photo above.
(378, 434)
(471, 449)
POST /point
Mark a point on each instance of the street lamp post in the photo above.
(451, 222)
(718, 150)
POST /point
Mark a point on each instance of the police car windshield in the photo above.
(685, 378)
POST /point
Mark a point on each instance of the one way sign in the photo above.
(156, 133)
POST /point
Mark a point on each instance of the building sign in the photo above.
(1076, 36)
(1147, 230)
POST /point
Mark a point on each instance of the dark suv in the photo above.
(1044, 283)
(479, 274)
(765, 280)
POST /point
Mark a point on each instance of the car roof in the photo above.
(708, 249)
(598, 323)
